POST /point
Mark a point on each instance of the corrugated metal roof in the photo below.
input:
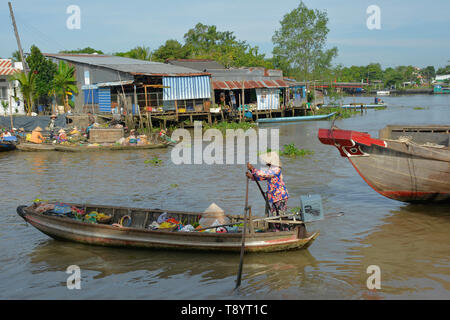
(185, 88)
(251, 84)
(128, 65)
(197, 64)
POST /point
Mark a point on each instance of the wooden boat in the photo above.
(294, 119)
(383, 93)
(7, 146)
(407, 163)
(357, 106)
(138, 235)
(8, 143)
(364, 106)
(65, 148)
(32, 147)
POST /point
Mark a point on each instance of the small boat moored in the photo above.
(135, 227)
(8, 143)
(294, 119)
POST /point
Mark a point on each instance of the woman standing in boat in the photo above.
(277, 193)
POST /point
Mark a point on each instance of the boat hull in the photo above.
(294, 119)
(62, 148)
(106, 235)
(399, 170)
(7, 146)
(33, 147)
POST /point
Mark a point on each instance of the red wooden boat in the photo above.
(407, 163)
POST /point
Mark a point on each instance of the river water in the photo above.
(409, 243)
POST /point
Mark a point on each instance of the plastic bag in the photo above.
(162, 218)
(187, 228)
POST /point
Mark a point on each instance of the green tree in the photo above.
(428, 73)
(300, 42)
(206, 42)
(444, 70)
(139, 52)
(15, 56)
(64, 83)
(44, 69)
(84, 50)
(172, 49)
(27, 85)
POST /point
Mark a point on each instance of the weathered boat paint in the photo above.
(400, 170)
(107, 235)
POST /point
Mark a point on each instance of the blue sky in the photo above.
(412, 32)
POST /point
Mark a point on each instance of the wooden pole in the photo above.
(241, 260)
(241, 109)
(176, 110)
(24, 63)
(10, 112)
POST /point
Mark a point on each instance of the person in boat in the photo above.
(132, 139)
(62, 136)
(51, 126)
(36, 136)
(91, 122)
(277, 192)
(21, 134)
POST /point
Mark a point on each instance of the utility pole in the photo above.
(24, 63)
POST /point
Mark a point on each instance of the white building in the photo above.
(441, 78)
(10, 89)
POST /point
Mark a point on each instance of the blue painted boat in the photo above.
(8, 143)
(294, 119)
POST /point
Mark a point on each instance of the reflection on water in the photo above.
(409, 243)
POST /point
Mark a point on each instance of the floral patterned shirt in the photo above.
(276, 188)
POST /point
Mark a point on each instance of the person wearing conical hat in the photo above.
(51, 126)
(62, 136)
(277, 193)
(36, 136)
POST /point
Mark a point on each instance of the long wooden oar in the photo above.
(241, 261)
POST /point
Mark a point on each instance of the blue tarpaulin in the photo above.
(29, 123)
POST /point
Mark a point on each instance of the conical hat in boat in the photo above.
(38, 128)
(211, 214)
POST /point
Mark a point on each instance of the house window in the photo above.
(3, 93)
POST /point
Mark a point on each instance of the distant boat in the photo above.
(383, 93)
(407, 163)
(357, 105)
(368, 106)
(295, 119)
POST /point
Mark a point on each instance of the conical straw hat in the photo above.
(271, 158)
(62, 131)
(211, 214)
(38, 128)
(214, 208)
